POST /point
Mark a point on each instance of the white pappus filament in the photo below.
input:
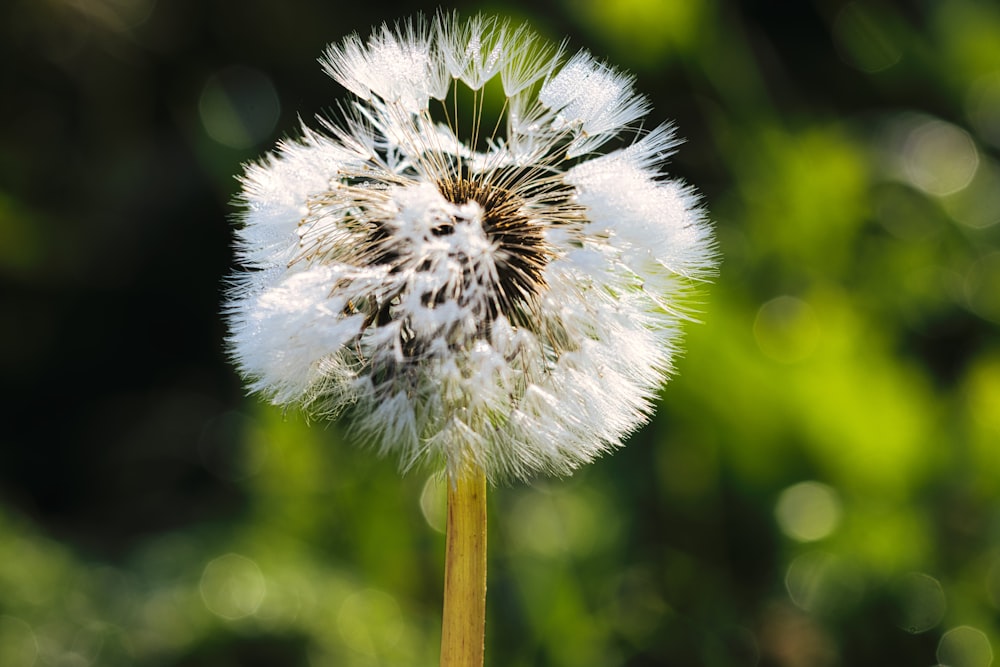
(493, 293)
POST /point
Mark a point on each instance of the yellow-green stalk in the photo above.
(464, 619)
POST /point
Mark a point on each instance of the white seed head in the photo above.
(471, 293)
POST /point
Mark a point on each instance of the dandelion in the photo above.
(499, 298)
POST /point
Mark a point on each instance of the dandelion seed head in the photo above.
(469, 293)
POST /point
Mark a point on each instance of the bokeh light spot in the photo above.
(638, 607)
(819, 581)
(239, 107)
(370, 622)
(232, 586)
(540, 528)
(921, 602)
(939, 158)
(434, 502)
(118, 16)
(808, 511)
(965, 646)
(978, 205)
(792, 639)
(18, 645)
(786, 329)
(861, 41)
(560, 523)
(288, 595)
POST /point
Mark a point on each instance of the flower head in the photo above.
(495, 294)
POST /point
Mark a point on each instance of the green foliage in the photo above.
(819, 487)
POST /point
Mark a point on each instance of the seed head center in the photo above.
(520, 252)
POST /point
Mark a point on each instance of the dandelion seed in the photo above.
(498, 295)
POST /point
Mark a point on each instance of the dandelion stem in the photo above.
(464, 619)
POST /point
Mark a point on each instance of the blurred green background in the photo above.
(820, 487)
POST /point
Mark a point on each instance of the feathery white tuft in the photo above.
(504, 298)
